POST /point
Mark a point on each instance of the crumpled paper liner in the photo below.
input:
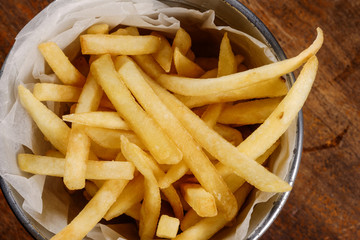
(45, 199)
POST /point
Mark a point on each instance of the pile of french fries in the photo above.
(151, 123)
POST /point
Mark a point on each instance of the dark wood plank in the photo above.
(324, 201)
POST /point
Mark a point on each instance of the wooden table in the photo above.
(324, 203)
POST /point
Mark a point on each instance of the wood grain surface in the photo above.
(324, 203)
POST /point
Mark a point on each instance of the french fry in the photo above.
(54, 153)
(227, 65)
(199, 199)
(169, 192)
(60, 64)
(90, 96)
(182, 41)
(173, 174)
(167, 227)
(132, 194)
(165, 54)
(163, 149)
(53, 128)
(102, 152)
(93, 212)
(134, 211)
(194, 158)
(194, 87)
(247, 113)
(109, 138)
(220, 148)
(56, 92)
(210, 74)
(232, 135)
(207, 227)
(99, 119)
(149, 65)
(227, 61)
(118, 44)
(100, 28)
(232, 180)
(280, 119)
(150, 210)
(133, 31)
(76, 156)
(275, 87)
(78, 150)
(54, 166)
(185, 67)
(212, 113)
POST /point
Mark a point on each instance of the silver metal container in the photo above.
(236, 15)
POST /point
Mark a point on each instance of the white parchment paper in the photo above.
(62, 21)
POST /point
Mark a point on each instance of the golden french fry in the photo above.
(199, 199)
(56, 92)
(53, 128)
(110, 120)
(76, 156)
(194, 87)
(164, 55)
(104, 153)
(54, 166)
(169, 192)
(93, 212)
(280, 119)
(133, 31)
(110, 138)
(153, 137)
(78, 149)
(232, 180)
(232, 135)
(212, 113)
(207, 227)
(90, 96)
(185, 67)
(168, 227)
(182, 41)
(174, 173)
(105, 103)
(100, 28)
(132, 194)
(134, 211)
(227, 65)
(247, 113)
(149, 65)
(210, 74)
(218, 147)
(60, 64)
(227, 61)
(194, 158)
(150, 210)
(275, 87)
(54, 153)
(118, 44)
